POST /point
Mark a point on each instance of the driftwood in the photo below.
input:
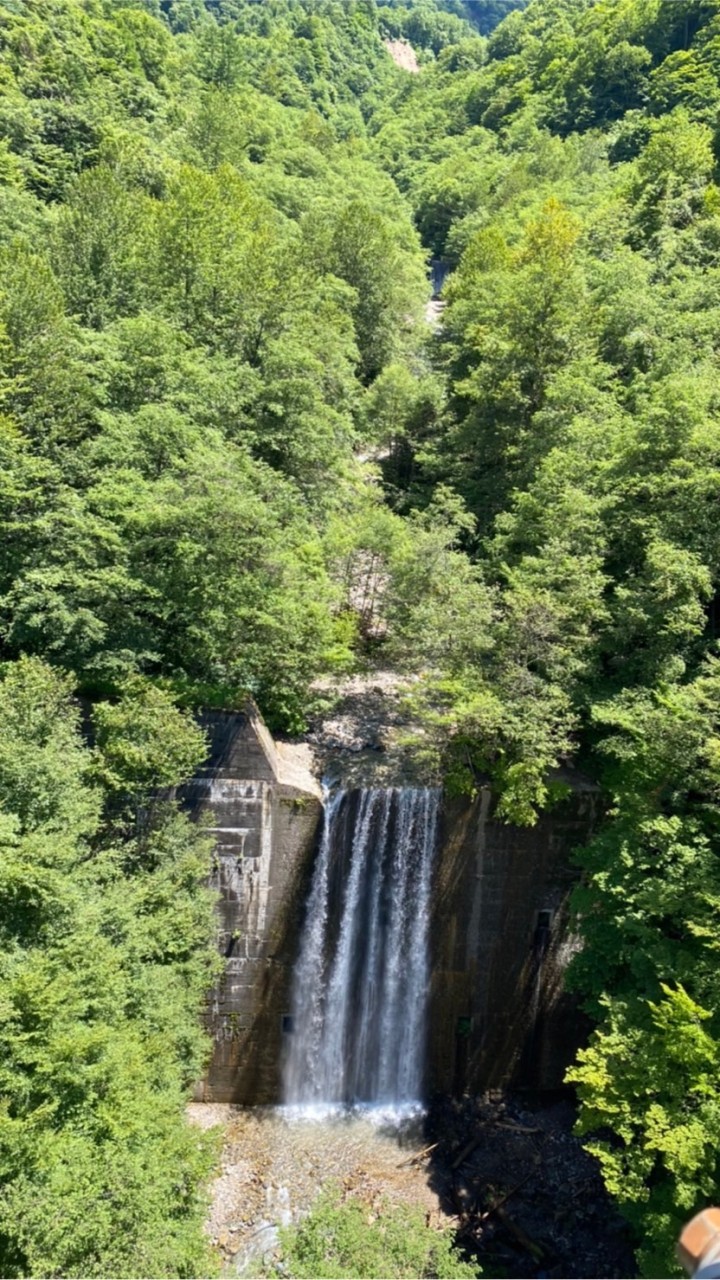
(518, 1128)
(470, 1146)
(418, 1156)
(508, 1195)
(530, 1246)
(466, 1151)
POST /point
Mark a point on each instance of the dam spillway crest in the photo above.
(357, 1030)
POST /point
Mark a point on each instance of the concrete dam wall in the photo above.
(266, 811)
(498, 934)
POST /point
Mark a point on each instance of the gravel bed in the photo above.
(273, 1167)
(520, 1190)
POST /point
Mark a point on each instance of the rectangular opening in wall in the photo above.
(544, 919)
(288, 1024)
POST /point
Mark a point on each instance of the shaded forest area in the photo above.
(214, 230)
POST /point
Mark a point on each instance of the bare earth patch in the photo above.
(402, 54)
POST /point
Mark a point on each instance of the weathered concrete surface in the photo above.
(500, 944)
(265, 807)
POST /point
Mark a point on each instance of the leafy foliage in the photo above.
(568, 174)
(213, 228)
(340, 1239)
(107, 948)
(651, 1076)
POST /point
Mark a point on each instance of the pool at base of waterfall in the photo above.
(276, 1160)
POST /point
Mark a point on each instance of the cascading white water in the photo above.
(360, 985)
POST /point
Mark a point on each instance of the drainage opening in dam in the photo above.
(361, 978)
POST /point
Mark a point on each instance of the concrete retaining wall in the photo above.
(500, 944)
(266, 810)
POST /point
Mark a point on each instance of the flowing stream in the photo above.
(361, 980)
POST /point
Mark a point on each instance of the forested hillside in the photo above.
(569, 180)
(215, 222)
(211, 295)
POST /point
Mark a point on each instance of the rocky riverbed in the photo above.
(527, 1197)
(365, 735)
(520, 1191)
(273, 1166)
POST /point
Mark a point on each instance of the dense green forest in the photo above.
(235, 457)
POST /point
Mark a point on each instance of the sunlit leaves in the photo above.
(106, 954)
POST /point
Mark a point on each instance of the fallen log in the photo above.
(503, 1199)
(466, 1151)
(535, 1250)
(510, 1124)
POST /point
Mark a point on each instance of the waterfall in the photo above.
(361, 980)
